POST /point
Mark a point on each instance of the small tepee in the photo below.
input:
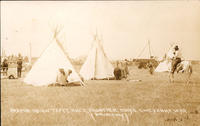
(45, 69)
(165, 65)
(97, 65)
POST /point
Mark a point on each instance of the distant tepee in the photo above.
(165, 65)
(97, 65)
(44, 71)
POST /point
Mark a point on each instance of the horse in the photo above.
(183, 67)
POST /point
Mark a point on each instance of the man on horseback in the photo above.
(177, 64)
(176, 59)
(173, 61)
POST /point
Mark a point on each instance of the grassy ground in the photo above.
(153, 92)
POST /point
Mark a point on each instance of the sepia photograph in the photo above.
(100, 63)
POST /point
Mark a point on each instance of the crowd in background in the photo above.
(12, 62)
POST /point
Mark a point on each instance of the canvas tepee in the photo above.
(97, 65)
(44, 71)
(165, 65)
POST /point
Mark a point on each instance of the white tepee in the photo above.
(165, 65)
(97, 65)
(44, 71)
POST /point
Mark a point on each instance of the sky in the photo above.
(125, 27)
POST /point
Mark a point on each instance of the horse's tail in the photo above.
(189, 72)
(190, 68)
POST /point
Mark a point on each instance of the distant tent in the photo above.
(30, 55)
(164, 66)
(45, 69)
(146, 52)
(97, 65)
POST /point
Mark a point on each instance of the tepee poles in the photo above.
(149, 49)
(3, 51)
(97, 64)
(60, 45)
(30, 53)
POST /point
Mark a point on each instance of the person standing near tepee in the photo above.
(5, 66)
(19, 66)
(117, 72)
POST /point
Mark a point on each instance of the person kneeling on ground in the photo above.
(62, 77)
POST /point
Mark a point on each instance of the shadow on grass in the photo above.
(185, 83)
(67, 85)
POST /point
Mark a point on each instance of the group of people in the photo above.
(174, 56)
(5, 67)
(62, 77)
(121, 71)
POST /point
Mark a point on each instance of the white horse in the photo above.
(185, 67)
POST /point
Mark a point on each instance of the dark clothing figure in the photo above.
(124, 71)
(117, 73)
(175, 62)
(176, 59)
(19, 67)
(151, 69)
(5, 67)
(179, 68)
(62, 77)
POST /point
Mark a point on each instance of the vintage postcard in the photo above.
(100, 63)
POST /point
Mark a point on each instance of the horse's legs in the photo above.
(189, 74)
(171, 77)
(188, 78)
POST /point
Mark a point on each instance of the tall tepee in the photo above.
(44, 71)
(97, 65)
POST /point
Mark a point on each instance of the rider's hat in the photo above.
(176, 47)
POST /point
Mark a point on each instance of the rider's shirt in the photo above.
(177, 54)
(170, 54)
(173, 54)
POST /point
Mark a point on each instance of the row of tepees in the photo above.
(62, 75)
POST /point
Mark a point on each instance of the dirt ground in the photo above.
(150, 102)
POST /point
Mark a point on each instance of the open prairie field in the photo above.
(150, 102)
